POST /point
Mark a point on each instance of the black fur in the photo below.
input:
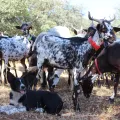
(109, 61)
(33, 62)
(116, 29)
(29, 79)
(49, 101)
(11, 95)
(87, 86)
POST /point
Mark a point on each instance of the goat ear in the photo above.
(116, 29)
(18, 27)
(75, 31)
(85, 30)
(10, 76)
(98, 27)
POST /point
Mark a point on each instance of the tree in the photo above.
(11, 13)
(116, 23)
(43, 14)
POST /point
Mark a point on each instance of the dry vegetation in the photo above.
(97, 107)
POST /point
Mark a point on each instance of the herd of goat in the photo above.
(52, 52)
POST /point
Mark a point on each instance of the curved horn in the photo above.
(111, 19)
(91, 18)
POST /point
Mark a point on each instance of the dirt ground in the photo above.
(97, 107)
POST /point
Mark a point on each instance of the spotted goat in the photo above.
(65, 53)
(14, 48)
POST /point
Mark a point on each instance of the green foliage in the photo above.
(116, 23)
(43, 14)
(10, 13)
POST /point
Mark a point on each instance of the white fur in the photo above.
(61, 31)
(16, 97)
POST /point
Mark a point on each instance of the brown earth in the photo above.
(97, 107)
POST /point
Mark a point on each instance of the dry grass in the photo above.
(97, 107)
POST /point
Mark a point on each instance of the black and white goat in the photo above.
(17, 47)
(60, 31)
(62, 53)
(65, 53)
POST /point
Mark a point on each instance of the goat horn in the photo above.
(91, 18)
(111, 19)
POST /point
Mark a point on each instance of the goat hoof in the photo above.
(111, 100)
